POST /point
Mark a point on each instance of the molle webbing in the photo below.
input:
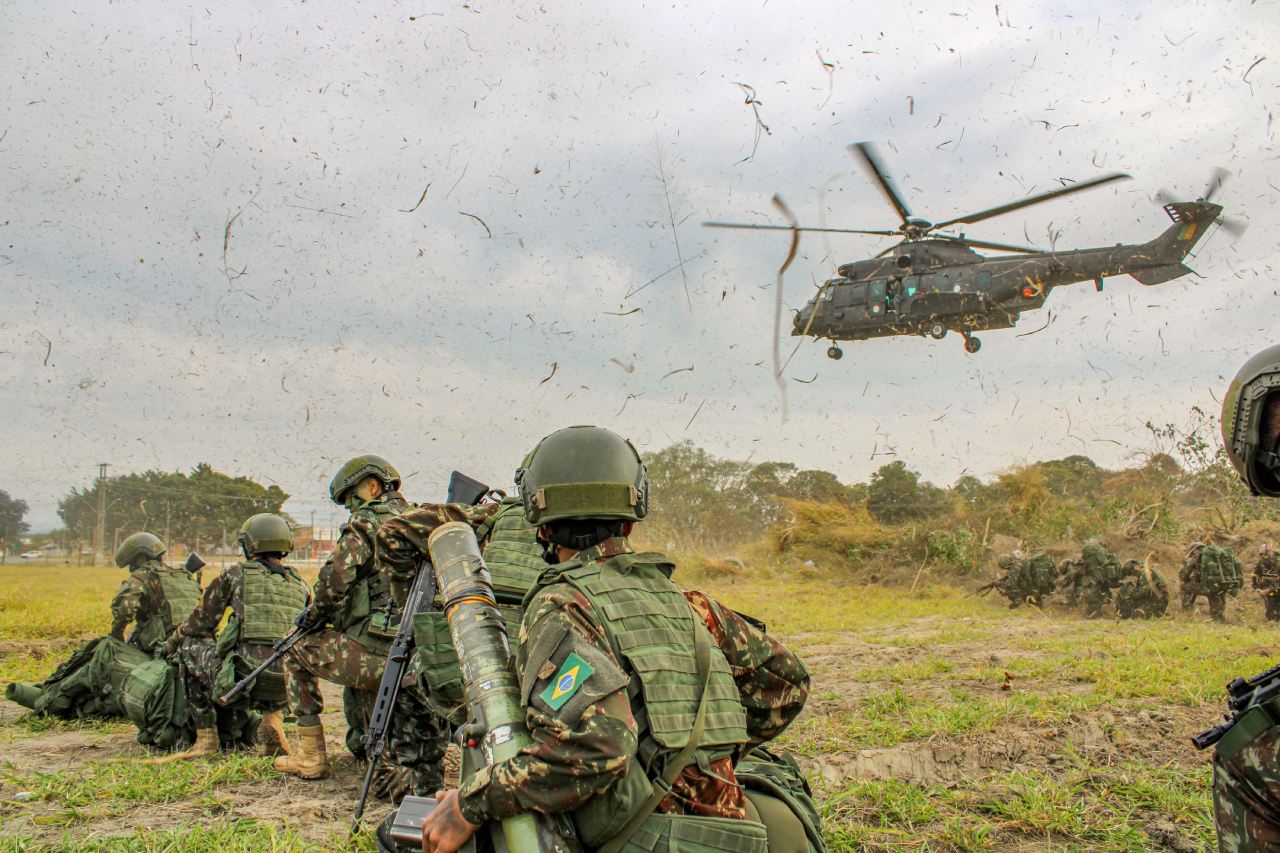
(181, 592)
(512, 553)
(651, 626)
(271, 601)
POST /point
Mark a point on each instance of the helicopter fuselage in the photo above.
(939, 284)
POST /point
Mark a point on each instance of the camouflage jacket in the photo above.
(351, 560)
(139, 598)
(1266, 575)
(572, 760)
(225, 592)
(402, 541)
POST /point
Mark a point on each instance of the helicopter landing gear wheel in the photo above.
(834, 352)
(937, 330)
(971, 344)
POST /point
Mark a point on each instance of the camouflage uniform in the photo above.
(350, 657)
(1193, 583)
(1246, 794)
(203, 657)
(1142, 593)
(141, 598)
(1266, 580)
(581, 752)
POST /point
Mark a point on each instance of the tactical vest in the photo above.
(368, 594)
(650, 628)
(180, 595)
(511, 552)
(270, 601)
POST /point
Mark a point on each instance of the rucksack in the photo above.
(89, 684)
(1043, 574)
(781, 798)
(155, 700)
(1215, 567)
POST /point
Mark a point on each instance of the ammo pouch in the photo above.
(436, 661)
(779, 797)
(155, 700)
(661, 833)
(268, 689)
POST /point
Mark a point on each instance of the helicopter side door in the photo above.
(849, 302)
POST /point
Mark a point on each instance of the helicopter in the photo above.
(932, 283)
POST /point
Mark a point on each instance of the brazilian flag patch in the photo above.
(572, 674)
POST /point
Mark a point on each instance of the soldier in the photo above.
(1266, 580)
(1066, 582)
(1142, 593)
(1213, 572)
(1016, 584)
(154, 598)
(1093, 577)
(264, 595)
(1246, 771)
(639, 695)
(351, 600)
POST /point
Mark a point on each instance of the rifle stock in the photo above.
(1245, 694)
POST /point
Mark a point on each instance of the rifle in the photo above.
(279, 649)
(982, 591)
(468, 490)
(1244, 694)
(375, 736)
(496, 730)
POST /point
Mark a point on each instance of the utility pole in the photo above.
(166, 524)
(315, 550)
(100, 534)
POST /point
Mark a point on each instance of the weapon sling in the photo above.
(662, 785)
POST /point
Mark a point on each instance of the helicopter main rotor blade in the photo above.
(872, 161)
(754, 227)
(1215, 183)
(1035, 199)
(1003, 247)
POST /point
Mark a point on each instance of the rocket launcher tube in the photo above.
(489, 684)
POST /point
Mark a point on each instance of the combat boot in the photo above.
(207, 743)
(271, 737)
(310, 760)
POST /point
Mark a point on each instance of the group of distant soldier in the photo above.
(1136, 589)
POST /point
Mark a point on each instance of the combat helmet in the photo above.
(1004, 561)
(583, 472)
(265, 533)
(356, 469)
(1252, 453)
(141, 544)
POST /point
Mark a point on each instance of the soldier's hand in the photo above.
(307, 618)
(445, 829)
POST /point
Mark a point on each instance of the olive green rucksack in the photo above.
(780, 797)
(155, 700)
(89, 683)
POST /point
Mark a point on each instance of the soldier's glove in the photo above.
(307, 618)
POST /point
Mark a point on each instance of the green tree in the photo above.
(12, 526)
(201, 509)
(896, 495)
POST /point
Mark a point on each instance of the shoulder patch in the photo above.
(573, 674)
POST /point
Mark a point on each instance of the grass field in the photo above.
(936, 722)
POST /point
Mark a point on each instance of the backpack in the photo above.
(1042, 574)
(779, 797)
(155, 700)
(1215, 567)
(89, 683)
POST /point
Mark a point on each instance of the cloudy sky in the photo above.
(214, 244)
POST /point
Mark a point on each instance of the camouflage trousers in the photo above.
(418, 736)
(1271, 604)
(1217, 601)
(200, 662)
(1246, 796)
(332, 656)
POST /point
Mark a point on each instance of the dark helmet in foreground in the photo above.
(265, 533)
(583, 472)
(355, 470)
(139, 545)
(1251, 422)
